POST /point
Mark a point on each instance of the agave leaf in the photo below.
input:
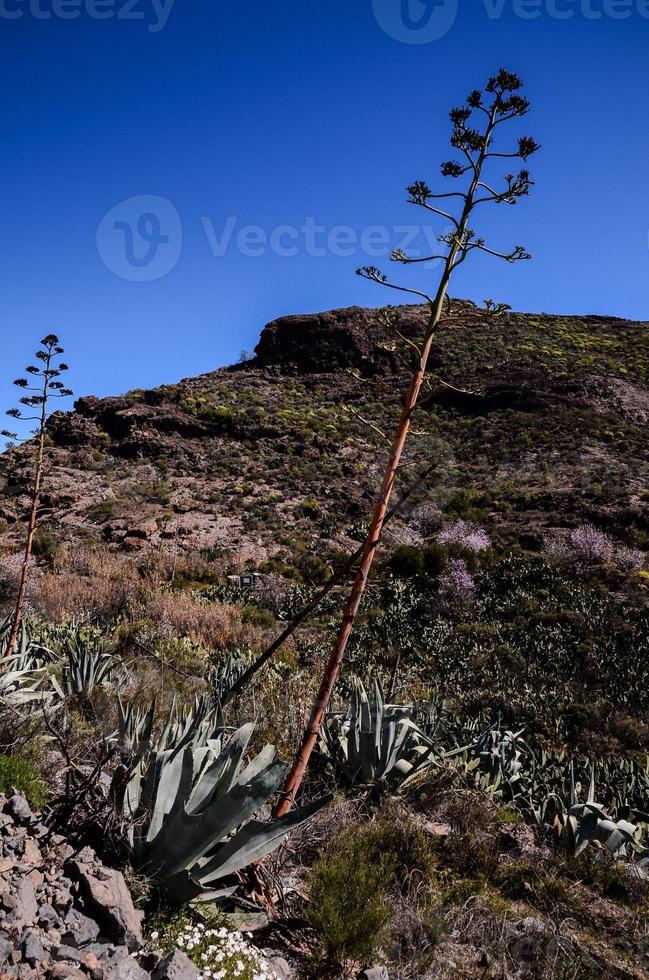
(255, 841)
(199, 832)
(623, 834)
(220, 775)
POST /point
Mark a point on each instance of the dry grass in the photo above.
(207, 624)
(93, 585)
(89, 585)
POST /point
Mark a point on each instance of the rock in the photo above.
(79, 929)
(5, 949)
(106, 898)
(103, 951)
(520, 840)
(376, 973)
(530, 944)
(19, 809)
(48, 917)
(32, 853)
(438, 829)
(91, 965)
(64, 971)
(134, 544)
(126, 969)
(33, 949)
(36, 877)
(118, 953)
(346, 338)
(61, 898)
(65, 952)
(279, 966)
(175, 966)
(26, 908)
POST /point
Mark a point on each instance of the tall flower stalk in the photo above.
(41, 393)
(496, 104)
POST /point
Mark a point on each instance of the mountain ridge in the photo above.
(555, 404)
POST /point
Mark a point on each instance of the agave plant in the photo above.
(374, 743)
(197, 722)
(30, 652)
(224, 674)
(135, 726)
(191, 806)
(22, 640)
(23, 687)
(589, 823)
(433, 716)
(501, 753)
(88, 666)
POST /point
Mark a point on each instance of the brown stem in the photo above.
(457, 248)
(351, 610)
(31, 527)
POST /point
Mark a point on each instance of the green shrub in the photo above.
(258, 617)
(45, 546)
(407, 561)
(348, 889)
(435, 560)
(310, 507)
(18, 774)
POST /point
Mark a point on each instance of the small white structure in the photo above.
(249, 580)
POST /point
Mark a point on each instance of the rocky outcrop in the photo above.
(66, 916)
(135, 428)
(525, 391)
(349, 338)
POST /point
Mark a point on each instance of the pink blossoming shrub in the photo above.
(456, 585)
(586, 545)
(591, 545)
(426, 518)
(465, 534)
(630, 560)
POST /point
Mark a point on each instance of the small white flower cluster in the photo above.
(222, 955)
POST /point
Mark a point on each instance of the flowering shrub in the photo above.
(456, 585)
(218, 953)
(426, 518)
(630, 559)
(466, 535)
(586, 545)
(591, 545)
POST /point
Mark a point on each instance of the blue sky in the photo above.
(289, 116)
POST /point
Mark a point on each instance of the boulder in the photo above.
(175, 966)
(79, 929)
(26, 908)
(126, 969)
(33, 949)
(18, 807)
(65, 971)
(106, 899)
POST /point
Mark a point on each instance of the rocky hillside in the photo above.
(506, 622)
(535, 421)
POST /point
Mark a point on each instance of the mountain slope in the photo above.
(547, 429)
